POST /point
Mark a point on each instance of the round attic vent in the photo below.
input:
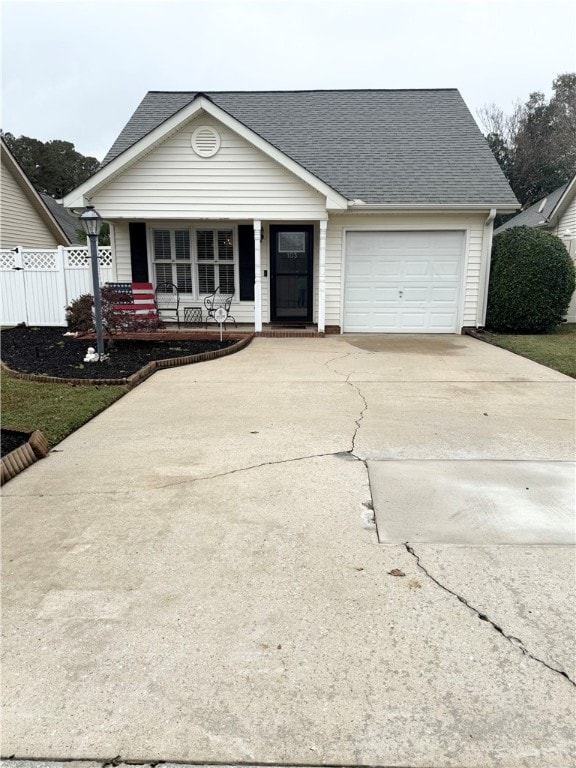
(205, 141)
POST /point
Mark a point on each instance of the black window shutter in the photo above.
(138, 252)
(246, 255)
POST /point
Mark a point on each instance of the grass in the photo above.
(55, 409)
(556, 350)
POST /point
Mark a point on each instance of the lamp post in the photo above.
(92, 222)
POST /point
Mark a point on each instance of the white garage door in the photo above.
(403, 282)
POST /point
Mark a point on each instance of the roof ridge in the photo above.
(319, 90)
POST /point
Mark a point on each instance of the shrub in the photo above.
(79, 314)
(80, 317)
(531, 282)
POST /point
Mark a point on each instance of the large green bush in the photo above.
(531, 282)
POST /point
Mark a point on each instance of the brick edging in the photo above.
(24, 456)
(139, 376)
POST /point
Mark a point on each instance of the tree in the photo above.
(54, 167)
(103, 237)
(536, 144)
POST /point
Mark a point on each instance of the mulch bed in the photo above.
(47, 351)
(11, 440)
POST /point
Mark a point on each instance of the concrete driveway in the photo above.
(196, 575)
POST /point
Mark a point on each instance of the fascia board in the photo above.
(27, 187)
(435, 207)
(78, 197)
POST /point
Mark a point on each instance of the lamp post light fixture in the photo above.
(92, 223)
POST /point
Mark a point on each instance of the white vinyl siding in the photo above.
(20, 221)
(472, 224)
(568, 220)
(238, 182)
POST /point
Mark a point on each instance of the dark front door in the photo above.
(291, 273)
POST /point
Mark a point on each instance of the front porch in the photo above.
(275, 271)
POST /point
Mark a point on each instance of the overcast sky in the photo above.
(76, 70)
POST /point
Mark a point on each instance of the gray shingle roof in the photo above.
(532, 216)
(404, 147)
(68, 222)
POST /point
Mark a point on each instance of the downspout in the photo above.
(485, 277)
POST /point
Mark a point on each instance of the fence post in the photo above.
(19, 269)
(63, 289)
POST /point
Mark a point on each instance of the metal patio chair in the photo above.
(167, 298)
(216, 300)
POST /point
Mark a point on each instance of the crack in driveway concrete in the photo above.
(515, 641)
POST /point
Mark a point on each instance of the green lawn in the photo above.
(55, 409)
(556, 350)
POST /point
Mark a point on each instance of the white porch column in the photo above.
(322, 278)
(257, 277)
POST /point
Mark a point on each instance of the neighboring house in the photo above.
(69, 223)
(358, 211)
(556, 214)
(25, 218)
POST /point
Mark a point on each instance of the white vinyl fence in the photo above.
(36, 285)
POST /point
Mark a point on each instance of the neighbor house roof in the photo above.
(67, 221)
(537, 215)
(34, 197)
(382, 147)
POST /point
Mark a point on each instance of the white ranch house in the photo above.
(355, 211)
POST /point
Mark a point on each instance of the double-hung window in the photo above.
(172, 262)
(215, 255)
(197, 261)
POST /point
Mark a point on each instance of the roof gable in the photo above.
(412, 147)
(35, 199)
(172, 125)
(567, 196)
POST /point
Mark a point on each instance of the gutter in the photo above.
(485, 275)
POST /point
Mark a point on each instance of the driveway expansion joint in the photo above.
(515, 641)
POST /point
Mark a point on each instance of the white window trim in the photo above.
(192, 229)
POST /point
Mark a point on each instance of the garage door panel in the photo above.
(439, 321)
(403, 281)
(388, 269)
(414, 293)
(384, 294)
(416, 268)
(447, 268)
(413, 320)
(444, 295)
(360, 269)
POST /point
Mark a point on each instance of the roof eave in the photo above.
(500, 207)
